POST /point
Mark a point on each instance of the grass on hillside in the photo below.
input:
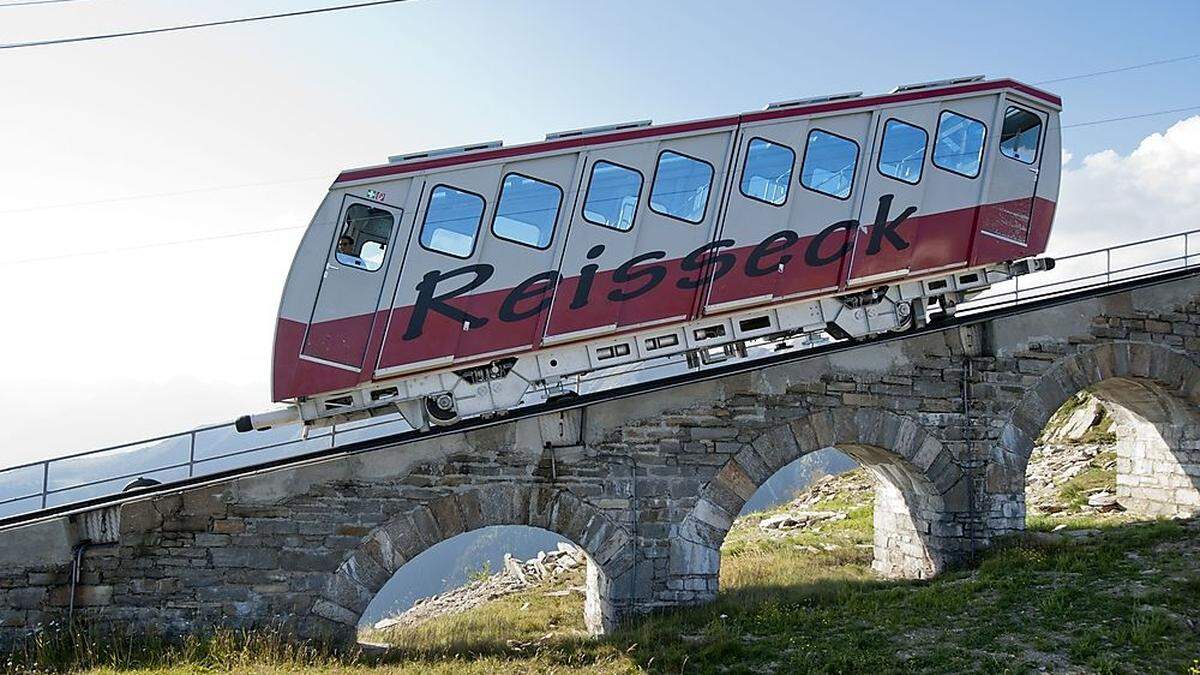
(1124, 600)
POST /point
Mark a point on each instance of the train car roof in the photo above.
(493, 151)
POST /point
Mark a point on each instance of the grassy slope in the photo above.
(1125, 600)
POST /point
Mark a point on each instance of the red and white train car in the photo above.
(450, 284)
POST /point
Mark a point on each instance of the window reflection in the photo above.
(829, 163)
(959, 145)
(768, 171)
(902, 153)
(612, 196)
(452, 221)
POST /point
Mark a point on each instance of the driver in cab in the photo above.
(345, 252)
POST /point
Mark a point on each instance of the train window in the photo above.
(681, 186)
(959, 145)
(767, 171)
(1020, 135)
(902, 153)
(829, 163)
(452, 221)
(612, 196)
(527, 210)
(364, 238)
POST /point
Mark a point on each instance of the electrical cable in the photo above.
(193, 26)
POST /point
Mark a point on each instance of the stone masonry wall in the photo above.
(647, 486)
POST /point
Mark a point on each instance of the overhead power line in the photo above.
(1131, 117)
(156, 195)
(193, 26)
(124, 249)
(24, 3)
(1148, 64)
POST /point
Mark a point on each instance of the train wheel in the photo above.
(441, 409)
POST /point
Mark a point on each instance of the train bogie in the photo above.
(459, 284)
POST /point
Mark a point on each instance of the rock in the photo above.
(1045, 537)
(1077, 424)
(780, 521)
(797, 519)
(512, 567)
(1103, 500)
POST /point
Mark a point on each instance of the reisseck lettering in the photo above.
(703, 265)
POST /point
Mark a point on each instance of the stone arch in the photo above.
(1154, 394)
(921, 504)
(386, 548)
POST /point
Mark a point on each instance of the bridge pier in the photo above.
(649, 486)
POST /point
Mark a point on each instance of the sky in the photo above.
(110, 149)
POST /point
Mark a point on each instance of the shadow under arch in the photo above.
(922, 496)
(350, 589)
(1153, 393)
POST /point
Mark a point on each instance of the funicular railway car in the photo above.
(452, 284)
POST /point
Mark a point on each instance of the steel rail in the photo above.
(617, 393)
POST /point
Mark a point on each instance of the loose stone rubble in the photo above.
(517, 576)
(1052, 465)
(797, 519)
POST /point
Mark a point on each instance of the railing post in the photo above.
(192, 454)
(1016, 290)
(45, 482)
(1108, 265)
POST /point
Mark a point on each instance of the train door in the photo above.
(643, 207)
(522, 241)
(889, 224)
(1014, 174)
(921, 206)
(794, 200)
(344, 312)
(481, 245)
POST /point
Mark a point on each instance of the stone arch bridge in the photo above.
(649, 485)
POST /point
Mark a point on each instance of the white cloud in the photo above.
(1112, 198)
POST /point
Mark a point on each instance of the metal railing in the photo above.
(107, 471)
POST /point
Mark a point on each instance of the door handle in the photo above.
(331, 267)
(1033, 170)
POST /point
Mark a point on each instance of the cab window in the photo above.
(365, 234)
(452, 221)
(1020, 135)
